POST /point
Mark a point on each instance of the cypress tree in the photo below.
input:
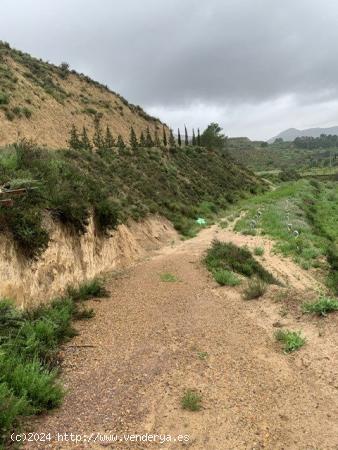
(133, 139)
(142, 140)
(165, 142)
(74, 141)
(186, 139)
(97, 139)
(157, 140)
(149, 141)
(198, 137)
(193, 137)
(179, 142)
(120, 142)
(109, 141)
(172, 142)
(85, 142)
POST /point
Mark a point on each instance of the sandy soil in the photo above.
(151, 340)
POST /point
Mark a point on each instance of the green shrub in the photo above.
(259, 251)
(322, 306)
(191, 400)
(90, 289)
(226, 278)
(29, 343)
(255, 288)
(4, 98)
(227, 256)
(106, 215)
(291, 340)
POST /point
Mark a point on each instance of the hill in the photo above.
(40, 101)
(292, 133)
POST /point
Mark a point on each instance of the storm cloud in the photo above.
(255, 66)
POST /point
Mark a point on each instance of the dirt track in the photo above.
(147, 340)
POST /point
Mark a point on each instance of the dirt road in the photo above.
(151, 340)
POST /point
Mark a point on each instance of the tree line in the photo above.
(212, 137)
(323, 141)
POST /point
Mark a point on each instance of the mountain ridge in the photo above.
(291, 134)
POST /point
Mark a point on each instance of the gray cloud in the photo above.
(190, 60)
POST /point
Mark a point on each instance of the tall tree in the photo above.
(149, 141)
(109, 141)
(179, 142)
(97, 139)
(193, 137)
(74, 141)
(85, 141)
(186, 139)
(172, 142)
(165, 142)
(133, 139)
(198, 137)
(213, 138)
(142, 140)
(157, 142)
(120, 142)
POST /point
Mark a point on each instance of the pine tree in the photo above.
(142, 140)
(179, 142)
(157, 140)
(198, 137)
(149, 141)
(172, 142)
(120, 142)
(133, 139)
(74, 141)
(193, 137)
(109, 141)
(165, 142)
(97, 139)
(186, 139)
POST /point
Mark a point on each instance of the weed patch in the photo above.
(290, 340)
(191, 400)
(254, 288)
(322, 307)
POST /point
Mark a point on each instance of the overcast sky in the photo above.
(254, 66)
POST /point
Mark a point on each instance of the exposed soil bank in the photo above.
(70, 259)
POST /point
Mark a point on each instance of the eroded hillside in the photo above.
(40, 101)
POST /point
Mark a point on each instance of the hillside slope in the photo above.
(40, 101)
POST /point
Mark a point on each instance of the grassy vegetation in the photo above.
(227, 256)
(282, 156)
(258, 251)
(254, 288)
(115, 185)
(29, 343)
(322, 306)
(168, 277)
(290, 340)
(302, 217)
(226, 278)
(191, 400)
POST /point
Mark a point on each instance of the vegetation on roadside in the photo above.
(29, 347)
(290, 340)
(322, 306)
(302, 217)
(227, 256)
(255, 288)
(114, 186)
(191, 400)
(168, 277)
(226, 277)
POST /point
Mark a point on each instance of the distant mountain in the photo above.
(292, 133)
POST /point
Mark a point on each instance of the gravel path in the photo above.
(151, 340)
